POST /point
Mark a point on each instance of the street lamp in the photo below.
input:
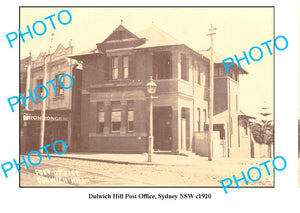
(151, 89)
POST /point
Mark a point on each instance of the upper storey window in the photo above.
(162, 66)
(120, 67)
(39, 91)
(115, 68)
(59, 89)
(125, 60)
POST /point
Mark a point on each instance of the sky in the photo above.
(238, 29)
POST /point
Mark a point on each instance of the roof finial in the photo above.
(121, 21)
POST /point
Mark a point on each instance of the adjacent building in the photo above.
(59, 106)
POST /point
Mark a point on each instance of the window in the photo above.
(115, 68)
(39, 90)
(58, 87)
(198, 117)
(184, 68)
(115, 121)
(130, 121)
(125, 66)
(162, 65)
(100, 122)
(115, 116)
(130, 116)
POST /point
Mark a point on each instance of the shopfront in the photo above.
(57, 127)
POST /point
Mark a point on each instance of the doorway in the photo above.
(185, 129)
(162, 128)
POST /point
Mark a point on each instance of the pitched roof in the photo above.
(120, 33)
(156, 37)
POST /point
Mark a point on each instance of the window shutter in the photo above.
(131, 67)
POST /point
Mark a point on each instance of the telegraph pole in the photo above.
(211, 93)
(43, 110)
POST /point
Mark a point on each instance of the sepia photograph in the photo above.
(146, 96)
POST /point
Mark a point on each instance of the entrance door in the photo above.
(183, 134)
(162, 128)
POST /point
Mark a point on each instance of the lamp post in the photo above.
(151, 89)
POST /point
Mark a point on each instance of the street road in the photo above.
(72, 173)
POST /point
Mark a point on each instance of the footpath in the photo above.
(135, 159)
(189, 159)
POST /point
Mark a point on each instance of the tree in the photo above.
(263, 132)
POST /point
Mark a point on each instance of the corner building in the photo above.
(115, 103)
